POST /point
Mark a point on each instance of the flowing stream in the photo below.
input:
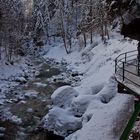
(30, 102)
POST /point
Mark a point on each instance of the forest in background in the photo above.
(26, 23)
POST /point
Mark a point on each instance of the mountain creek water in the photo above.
(30, 102)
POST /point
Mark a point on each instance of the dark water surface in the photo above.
(30, 103)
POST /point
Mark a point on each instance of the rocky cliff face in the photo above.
(131, 19)
(131, 25)
(132, 12)
(129, 11)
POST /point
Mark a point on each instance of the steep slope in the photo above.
(102, 111)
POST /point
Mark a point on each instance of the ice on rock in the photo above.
(61, 121)
(63, 96)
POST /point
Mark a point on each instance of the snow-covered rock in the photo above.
(63, 96)
(96, 111)
(109, 91)
(31, 93)
(105, 121)
(37, 73)
(96, 88)
(80, 104)
(61, 121)
(21, 80)
(92, 115)
(2, 129)
(39, 84)
(1, 134)
(16, 120)
(5, 114)
(29, 110)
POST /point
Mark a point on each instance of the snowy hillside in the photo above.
(57, 68)
(94, 109)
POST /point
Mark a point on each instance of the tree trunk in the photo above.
(120, 10)
(91, 39)
(85, 41)
(91, 17)
(102, 32)
(63, 30)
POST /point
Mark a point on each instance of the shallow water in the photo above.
(30, 103)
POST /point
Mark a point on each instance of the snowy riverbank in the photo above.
(25, 88)
(93, 109)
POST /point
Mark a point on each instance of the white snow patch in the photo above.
(2, 129)
(104, 112)
(63, 96)
(61, 121)
(16, 120)
(39, 84)
(105, 121)
(21, 79)
(31, 93)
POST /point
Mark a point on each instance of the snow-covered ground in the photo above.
(94, 109)
(12, 75)
(21, 69)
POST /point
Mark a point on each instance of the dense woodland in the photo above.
(26, 23)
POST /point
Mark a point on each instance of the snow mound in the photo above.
(105, 121)
(31, 93)
(96, 88)
(21, 80)
(62, 122)
(91, 116)
(80, 104)
(39, 84)
(103, 111)
(5, 114)
(103, 93)
(2, 129)
(63, 96)
(109, 91)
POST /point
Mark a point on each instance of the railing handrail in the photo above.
(125, 53)
(122, 60)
